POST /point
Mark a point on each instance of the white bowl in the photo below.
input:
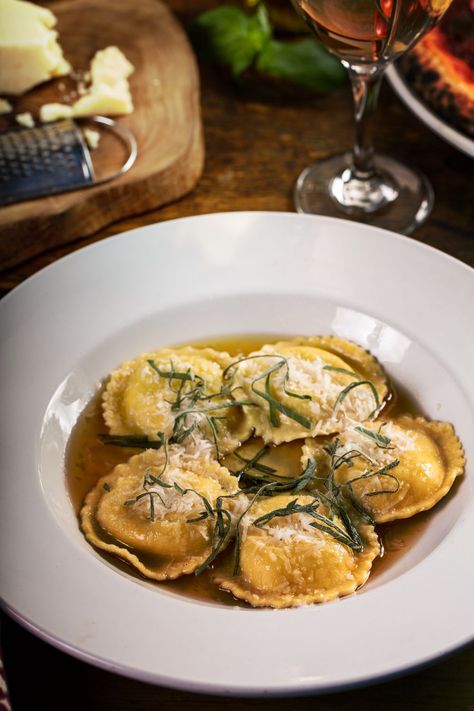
(263, 273)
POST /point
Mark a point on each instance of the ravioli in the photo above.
(429, 457)
(278, 450)
(174, 390)
(304, 387)
(138, 514)
(287, 562)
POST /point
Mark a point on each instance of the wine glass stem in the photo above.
(365, 83)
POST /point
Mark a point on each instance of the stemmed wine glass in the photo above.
(367, 35)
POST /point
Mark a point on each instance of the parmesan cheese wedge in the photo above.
(29, 51)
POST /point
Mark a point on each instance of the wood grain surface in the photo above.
(166, 123)
(254, 151)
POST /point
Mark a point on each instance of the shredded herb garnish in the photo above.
(275, 407)
(380, 440)
(130, 440)
(344, 371)
(358, 381)
(171, 374)
(150, 495)
(337, 492)
(343, 394)
(347, 535)
(182, 430)
(383, 471)
(275, 484)
(222, 528)
(254, 463)
(193, 406)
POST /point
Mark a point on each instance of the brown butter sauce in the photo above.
(87, 460)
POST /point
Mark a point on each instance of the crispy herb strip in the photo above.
(179, 393)
(220, 534)
(380, 440)
(284, 409)
(350, 536)
(221, 530)
(149, 479)
(274, 405)
(219, 537)
(291, 508)
(150, 495)
(280, 484)
(357, 505)
(238, 532)
(213, 408)
(192, 396)
(206, 503)
(171, 374)
(383, 471)
(254, 463)
(343, 394)
(337, 493)
(344, 371)
(273, 412)
(328, 526)
(238, 362)
(212, 422)
(351, 386)
(181, 430)
(130, 440)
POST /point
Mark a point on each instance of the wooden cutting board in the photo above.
(166, 123)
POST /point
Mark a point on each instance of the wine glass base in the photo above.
(400, 201)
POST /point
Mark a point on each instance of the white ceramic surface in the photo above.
(437, 124)
(65, 328)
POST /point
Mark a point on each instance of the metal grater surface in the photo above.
(44, 160)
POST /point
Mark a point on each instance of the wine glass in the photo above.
(366, 35)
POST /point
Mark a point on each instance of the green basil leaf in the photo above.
(227, 35)
(303, 62)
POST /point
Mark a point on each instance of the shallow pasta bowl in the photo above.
(215, 275)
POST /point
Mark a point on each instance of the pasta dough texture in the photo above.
(308, 386)
(411, 459)
(157, 393)
(290, 457)
(143, 511)
(288, 562)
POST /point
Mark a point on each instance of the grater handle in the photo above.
(127, 138)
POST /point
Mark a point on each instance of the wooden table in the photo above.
(254, 153)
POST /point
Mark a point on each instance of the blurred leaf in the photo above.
(304, 62)
(230, 37)
(227, 35)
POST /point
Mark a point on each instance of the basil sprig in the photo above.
(230, 37)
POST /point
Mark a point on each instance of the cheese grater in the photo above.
(51, 159)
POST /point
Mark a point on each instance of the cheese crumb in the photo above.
(25, 119)
(5, 107)
(54, 112)
(29, 51)
(92, 138)
(108, 94)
